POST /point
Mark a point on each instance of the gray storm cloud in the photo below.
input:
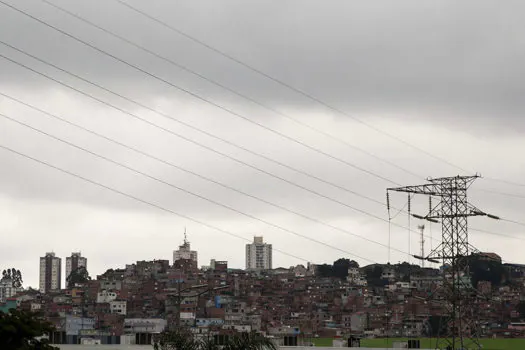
(444, 76)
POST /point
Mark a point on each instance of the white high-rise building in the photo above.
(73, 262)
(50, 273)
(258, 255)
(6, 289)
(185, 251)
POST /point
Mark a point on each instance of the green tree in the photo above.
(338, 269)
(79, 275)
(373, 275)
(341, 266)
(20, 330)
(486, 270)
(324, 270)
(13, 275)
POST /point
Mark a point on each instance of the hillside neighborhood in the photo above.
(295, 305)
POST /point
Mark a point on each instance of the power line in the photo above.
(171, 185)
(514, 222)
(203, 99)
(288, 86)
(510, 221)
(515, 195)
(157, 111)
(211, 135)
(505, 181)
(299, 91)
(235, 92)
(145, 154)
(109, 160)
(201, 145)
(206, 147)
(164, 115)
(137, 198)
(497, 234)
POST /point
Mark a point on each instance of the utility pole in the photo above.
(453, 209)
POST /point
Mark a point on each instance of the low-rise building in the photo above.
(106, 296)
(110, 285)
(144, 325)
(118, 307)
(74, 324)
(7, 290)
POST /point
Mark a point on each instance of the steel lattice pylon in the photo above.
(453, 210)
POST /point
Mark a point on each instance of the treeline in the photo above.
(338, 269)
(481, 269)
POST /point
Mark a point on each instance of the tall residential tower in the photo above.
(50, 273)
(258, 255)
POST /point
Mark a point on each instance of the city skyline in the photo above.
(306, 165)
(183, 252)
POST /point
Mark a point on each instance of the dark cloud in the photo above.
(444, 63)
(443, 76)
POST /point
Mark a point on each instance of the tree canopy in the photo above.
(13, 275)
(20, 330)
(338, 269)
(79, 275)
(486, 270)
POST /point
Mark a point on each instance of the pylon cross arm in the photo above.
(428, 189)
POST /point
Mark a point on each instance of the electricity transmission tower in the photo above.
(453, 210)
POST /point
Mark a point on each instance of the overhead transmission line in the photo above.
(201, 98)
(189, 92)
(285, 84)
(497, 234)
(142, 48)
(156, 179)
(211, 135)
(227, 88)
(231, 112)
(505, 181)
(145, 154)
(164, 115)
(135, 116)
(244, 96)
(137, 199)
(514, 195)
(514, 222)
(63, 120)
(145, 72)
(235, 92)
(298, 90)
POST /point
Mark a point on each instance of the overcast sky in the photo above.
(444, 76)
